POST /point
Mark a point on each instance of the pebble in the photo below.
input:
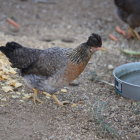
(15, 96)
(26, 96)
(21, 101)
(110, 67)
(3, 99)
(73, 105)
(18, 93)
(136, 128)
(64, 90)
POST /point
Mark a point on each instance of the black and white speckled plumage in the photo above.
(47, 72)
(129, 11)
(44, 69)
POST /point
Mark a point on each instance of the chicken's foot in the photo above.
(47, 94)
(34, 96)
(59, 102)
(133, 33)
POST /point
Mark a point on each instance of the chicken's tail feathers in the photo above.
(10, 47)
(20, 56)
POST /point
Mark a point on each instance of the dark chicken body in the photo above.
(129, 12)
(51, 69)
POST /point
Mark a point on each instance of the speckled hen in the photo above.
(51, 69)
(129, 12)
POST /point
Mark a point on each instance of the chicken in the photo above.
(51, 69)
(129, 12)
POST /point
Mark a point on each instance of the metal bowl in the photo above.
(127, 80)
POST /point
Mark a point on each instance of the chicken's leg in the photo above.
(133, 33)
(137, 35)
(35, 98)
(47, 94)
(59, 102)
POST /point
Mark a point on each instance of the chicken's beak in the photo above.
(98, 49)
(101, 49)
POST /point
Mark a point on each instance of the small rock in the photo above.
(21, 101)
(18, 93)
(81, 102)
(110, 67)
(17, 85)
(67, 40)
(26, 96)
(73, 105)
(7, 88)
(15, 96)
(74, 84)
(136, 128)
(12, 71)
(64, 90)
(3, 99)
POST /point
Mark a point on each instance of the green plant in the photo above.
(103, 126)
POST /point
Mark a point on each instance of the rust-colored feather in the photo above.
(74, 70)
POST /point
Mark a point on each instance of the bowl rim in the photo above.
(114, 74)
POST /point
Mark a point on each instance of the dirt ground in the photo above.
(96, 111)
